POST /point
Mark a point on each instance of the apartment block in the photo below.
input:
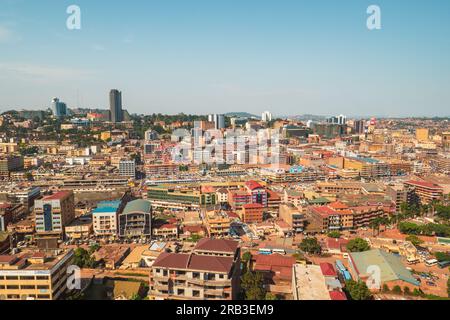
(217, 223)
(210, 272)
(425, 192)
(252, 213)
(53, 213)
(293, 217)
(105, 218)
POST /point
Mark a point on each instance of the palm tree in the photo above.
(375, 225)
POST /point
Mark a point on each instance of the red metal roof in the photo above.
(194, 262)
(217, 245)
(274, 260)
(58, 195)
(328, 270)
(337, 295)
(253, 185)
(424, 184)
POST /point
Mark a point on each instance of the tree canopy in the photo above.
(311, 246)
(358, 245)
(357, 290)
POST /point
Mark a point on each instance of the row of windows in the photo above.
(24, 287)
(24, 297)
(24, 278)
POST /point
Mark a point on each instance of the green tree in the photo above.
(271, 297)
(442, 256)
(417, 292)
(311, 246)
(358, 245)
(407, 291)
(397, 290)
(334, 234)
(253, 285)
(357, 290)
(386, 288)
(415, 240)
(94, 248)
(83, 259)
(136, 297)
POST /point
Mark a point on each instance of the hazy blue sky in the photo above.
(200, 56)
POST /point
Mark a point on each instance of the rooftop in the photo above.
(137, 206)
(58, 195)
(391, 267)
(310, 283)
(217, 245)
(194, 262)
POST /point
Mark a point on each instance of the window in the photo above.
(180, 292)
(41, 278)
(12, 278)
(27, 287)
(12, 287)
(27, 278)
(43, 287)
(196, 293)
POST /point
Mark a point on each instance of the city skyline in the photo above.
(226, 57)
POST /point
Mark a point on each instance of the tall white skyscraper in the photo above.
(342, 119)
(266, 116)
(218, 119)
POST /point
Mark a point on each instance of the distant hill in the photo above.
(241, 115)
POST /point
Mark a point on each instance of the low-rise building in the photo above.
(80, 228)
(204, 274)
(388, 266)
(308, 283)
(168, 231)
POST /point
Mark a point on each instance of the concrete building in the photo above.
(218, 119)
(217, 223)
(266, 116)
(210, 272)
(115, 104)
(252, 213)
(53, 213)
(59, 108)
(136, 219)
(424, 192)
(293, 217)
(10, 164)
(105, 218)
(80, 228)
(127, 168)
(34, 276)
(308, 283)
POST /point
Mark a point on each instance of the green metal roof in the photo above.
(390, 265)
(137, 206)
